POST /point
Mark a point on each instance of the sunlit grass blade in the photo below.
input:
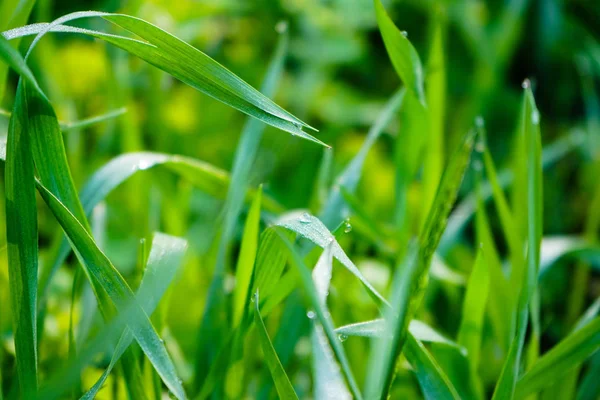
(282, 382)
(376, 328)
(311, 228)
(98, 268)
(433, 381)
(87, 122)
(530, 143)
(246, 260)
(165, 259)
(202, 175)
(191, 66)
(405, 58)
(568, 354)
(329, 383)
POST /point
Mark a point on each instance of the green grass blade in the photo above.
(376, 328)
(465, 210)
(192, 67)
(530, 143)
(166, 256)
(22, 238)
(245, 265)
(321, 311)
(473, 311)
(436, 101)
(311, 228)
(405, 58)
(433, 381)
(411, 280)
(329, 383)
(568, 354)
(98, 268)
(282, 382)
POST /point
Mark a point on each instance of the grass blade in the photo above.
(99, 268)
(282, 382)
(166, 256)
(246, 260)
(566, 355)
(530, 143)
(405, 58)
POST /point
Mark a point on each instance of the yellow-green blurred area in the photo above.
(337, 78)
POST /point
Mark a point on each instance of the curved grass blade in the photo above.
(531, 144)
(405, 58)
(190, 66)
(282, 382)
(164, 261)
(311, 228)
(99, 269)
(203, 175)
(434, 383)
(566, 355)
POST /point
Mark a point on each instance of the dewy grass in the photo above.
(278, 267)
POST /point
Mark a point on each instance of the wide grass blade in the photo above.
(98, 268)
(405, 58)
(530, 142)
(189, 65)
(568, 354)
(164, 261)
(282, 382)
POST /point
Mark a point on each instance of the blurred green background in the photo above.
(337, 78)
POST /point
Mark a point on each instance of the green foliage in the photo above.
(444, 247)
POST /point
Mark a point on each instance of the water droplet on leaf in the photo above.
(404, 33)
(342, 337)
(311, 315)
(305, 218)
(526, 84)
(535, 117)
(347, 227)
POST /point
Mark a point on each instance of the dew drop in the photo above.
(342, 337)
(311, 315)
(305, 218)
(404, 33)
(535, 117)
(347, 227)
(526, 84)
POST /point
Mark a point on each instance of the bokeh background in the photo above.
(337, 78)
